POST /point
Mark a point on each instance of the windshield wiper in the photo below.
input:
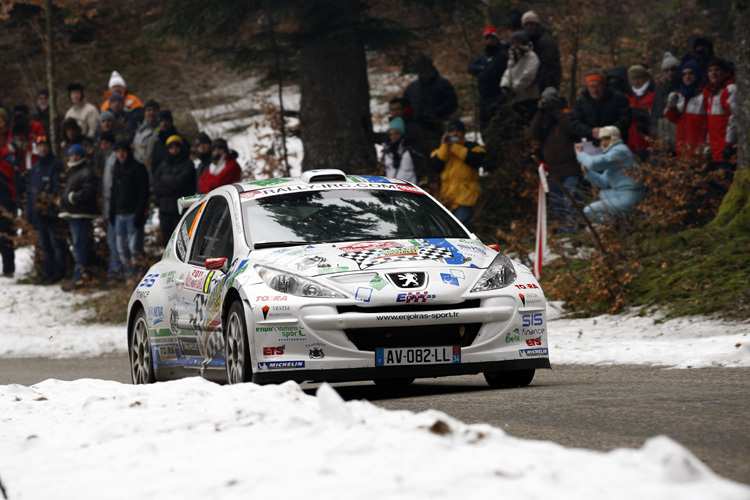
(276, 244)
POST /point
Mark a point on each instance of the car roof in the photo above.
(324, 179)
(311, 177)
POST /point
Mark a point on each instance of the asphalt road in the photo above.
(599, 408)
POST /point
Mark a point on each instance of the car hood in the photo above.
(323, 259)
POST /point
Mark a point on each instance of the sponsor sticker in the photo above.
(535, 319)
(378, 283)
(513, 337)
(449, 279)
(281, 365)
(413, 297)
(363, 294)
(167, 353)
(530, 353)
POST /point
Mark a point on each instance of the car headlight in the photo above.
(295, 285)
(499, 275)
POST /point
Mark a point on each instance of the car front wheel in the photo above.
(508, 379)
(141, 362)
(237, 349)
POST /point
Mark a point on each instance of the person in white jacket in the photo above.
(519, 80)
(398, 160)
(84, 112)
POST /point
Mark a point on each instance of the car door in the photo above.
(202, 290)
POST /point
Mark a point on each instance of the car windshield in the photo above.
(329, 216)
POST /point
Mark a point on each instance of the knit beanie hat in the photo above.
(203, 138)
(491, 31)
(43, 92)
(220, 143)
(669, 61)
(75, 86)
(76, 149)
(165, 114)
(106, 115)
(151, 104)
(122, 144)
(613, 133)
(107, 136)
(529, 17)
(116, 96)
(457, 125)
(398, 124)
(175, 139)
(3, 114)
(116, 79)
(637, 70)
(520, 36)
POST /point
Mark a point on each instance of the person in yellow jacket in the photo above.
(459, 161)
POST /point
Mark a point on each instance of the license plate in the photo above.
(394, 356)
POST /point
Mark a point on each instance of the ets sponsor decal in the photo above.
(414, 297)
(274, 351)
(534, 342)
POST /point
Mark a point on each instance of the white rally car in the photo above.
(332, 277)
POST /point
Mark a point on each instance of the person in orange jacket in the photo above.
(117, 84)
(223, 170)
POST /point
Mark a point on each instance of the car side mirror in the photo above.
(216, 263)
(494, 246)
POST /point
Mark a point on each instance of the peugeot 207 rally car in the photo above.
(332, 277)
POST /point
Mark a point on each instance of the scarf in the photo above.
(640, 92)
(393, 149)
(218, 167)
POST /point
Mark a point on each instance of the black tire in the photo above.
(236, 346)
(393, 382)
(509, 379)
(139, 351)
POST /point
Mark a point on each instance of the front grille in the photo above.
(398, 309)
(368, 339)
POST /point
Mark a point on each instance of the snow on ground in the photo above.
(40, 322)
(195, 439)
(93, 439)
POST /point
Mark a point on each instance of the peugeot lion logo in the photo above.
(408, 280)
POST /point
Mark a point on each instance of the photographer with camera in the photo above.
(552, 128)
(459, 160)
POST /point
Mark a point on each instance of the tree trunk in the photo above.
(51, 82)
(742, 66)
(335, 120)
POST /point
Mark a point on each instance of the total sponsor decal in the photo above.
(530, 286)
(281, 365)
(513, 337)
(271, 298)
(531, 353)
(411, 297)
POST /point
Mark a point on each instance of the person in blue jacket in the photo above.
(41, 211)
(612, 172)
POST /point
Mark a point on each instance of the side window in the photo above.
(186, 232)
(214, 236)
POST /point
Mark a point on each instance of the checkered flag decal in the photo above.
(365, 258)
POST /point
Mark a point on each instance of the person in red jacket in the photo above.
(641, 97)
(223, 170)
(719, 99)
(685, 109)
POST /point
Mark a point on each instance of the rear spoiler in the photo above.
(187, 202)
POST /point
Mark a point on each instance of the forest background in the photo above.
(176, 52)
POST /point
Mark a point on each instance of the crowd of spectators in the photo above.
(123, 156)
(621, 116)
(119, 159)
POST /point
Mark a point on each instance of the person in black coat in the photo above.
(128, 204)
(166, 130)
(41, 211)
(78, 204)
(489, 69)
(600, 106)
(173, 179)
(431, 96)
